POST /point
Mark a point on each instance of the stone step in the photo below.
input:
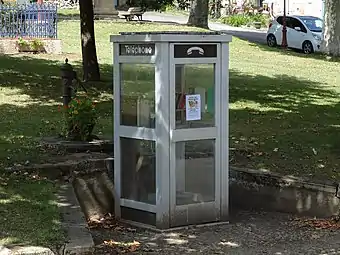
(100, 145)
(77, 162)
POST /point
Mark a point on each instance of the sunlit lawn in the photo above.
(284, 117)
(28, 212)
(283, 107)
(30, 92)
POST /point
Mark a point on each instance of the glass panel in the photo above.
(199, 82)
(137, 95)
(138, 170)
(195, 172)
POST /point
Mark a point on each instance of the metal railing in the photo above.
(29, 20)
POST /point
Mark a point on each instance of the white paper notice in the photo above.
(193, 107)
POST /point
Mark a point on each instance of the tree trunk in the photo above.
(331, 33)
(212, 9)
(218, 9)
(88, 43)
(199, 14)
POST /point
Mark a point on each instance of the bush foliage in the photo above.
(80, 117)
(238, 20)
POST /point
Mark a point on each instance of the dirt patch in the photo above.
(247, 233)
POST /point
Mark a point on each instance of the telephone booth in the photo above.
(171, 127)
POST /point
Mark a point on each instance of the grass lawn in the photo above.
(284, 117)
(284, 107)
(28, 212)
(30, 94)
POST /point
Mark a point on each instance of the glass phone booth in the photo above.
(171, 127)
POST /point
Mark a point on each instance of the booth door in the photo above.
(194, 134)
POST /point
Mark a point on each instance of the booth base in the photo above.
(157, 230)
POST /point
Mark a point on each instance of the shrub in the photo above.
(263, 19)
(238, 20)
(35, 45)
(23, 43)
(80, 119)
(150, 4)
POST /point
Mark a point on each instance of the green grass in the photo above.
(284, 111)
(28, 212)
(284, 117)
(68, 13)
(283, 106)
(30, 92)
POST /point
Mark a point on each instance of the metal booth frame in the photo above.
(165, 135)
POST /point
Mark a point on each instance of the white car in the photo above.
(303, 33)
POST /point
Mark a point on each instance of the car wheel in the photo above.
(271, 40)
(307, 47)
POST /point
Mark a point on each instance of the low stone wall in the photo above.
(253, 189)
(51, 46)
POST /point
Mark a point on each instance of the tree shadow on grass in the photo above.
(28, 212)
(22, 128)
(279, 123)
(40, 78)
(284, 124)
(68, 14)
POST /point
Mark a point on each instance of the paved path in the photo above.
(252, 35)
(248, 233)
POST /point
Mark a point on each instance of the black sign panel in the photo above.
(195, 51)
(137, 49)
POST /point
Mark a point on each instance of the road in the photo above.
(252, 35)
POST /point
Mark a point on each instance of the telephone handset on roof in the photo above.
(192, 49)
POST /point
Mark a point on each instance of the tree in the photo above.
(199, 14)
(331, 33)
(88, 43)
(215, 8)
(218, 5)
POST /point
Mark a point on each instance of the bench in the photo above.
(131, 13)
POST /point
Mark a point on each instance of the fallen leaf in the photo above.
(133, 248)
(331, 223)
(128, 246)
(314, 151)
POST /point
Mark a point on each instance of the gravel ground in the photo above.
(247, 233)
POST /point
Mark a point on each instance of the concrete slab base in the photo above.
(152, 228)
(31, 250)
(25, 250)
(4, 250)
(79, 237)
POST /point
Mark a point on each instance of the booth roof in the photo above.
(171, 33)
(171, 36)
